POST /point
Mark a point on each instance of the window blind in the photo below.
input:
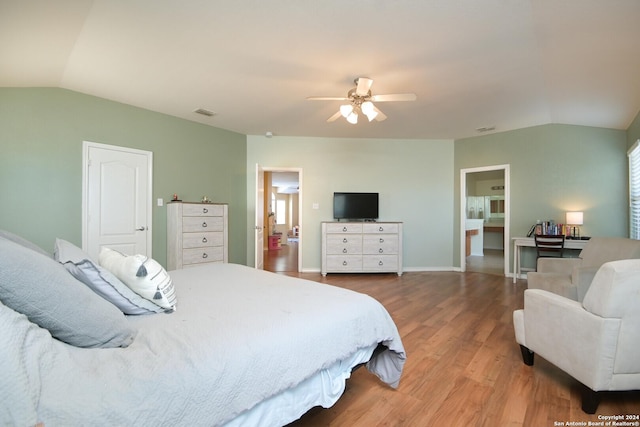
(634, 191)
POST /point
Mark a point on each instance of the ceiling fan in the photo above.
(360, 101)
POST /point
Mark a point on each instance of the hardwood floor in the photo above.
(463, 365)
(282, 260)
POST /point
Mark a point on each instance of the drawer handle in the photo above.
(344, 229)
(204, 240)
(204, 255)
(380, 229)
(344, 240)
(381, 240)
(205, 210)
(344, 251)
(344, 263)
(380, 250)
(204, 225)
(380, 263)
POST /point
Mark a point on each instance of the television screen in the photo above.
(363, 206)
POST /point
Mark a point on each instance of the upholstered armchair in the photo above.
(597, 341)
(571, 277)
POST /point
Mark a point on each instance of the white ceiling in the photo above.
(472, 63)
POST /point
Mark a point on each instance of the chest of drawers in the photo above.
(197, 233)
(361, 247)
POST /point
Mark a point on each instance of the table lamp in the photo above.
(574, 220)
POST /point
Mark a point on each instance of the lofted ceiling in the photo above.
(473, 64)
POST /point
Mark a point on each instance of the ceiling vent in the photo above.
(204, 112)
(486, 129)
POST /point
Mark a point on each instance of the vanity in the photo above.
(474, 233)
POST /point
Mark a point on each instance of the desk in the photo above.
(519, 242)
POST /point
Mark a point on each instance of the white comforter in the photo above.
(239, 336)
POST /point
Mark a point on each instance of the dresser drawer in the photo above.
(201, 255)
(344, 262)
(202, 210)
(335, 227)
(200, 240)
(198, 224)
(380, 263)
(380, 227)
(344, 244)
(380, 244)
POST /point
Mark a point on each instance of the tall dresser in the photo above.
(197, 233)
(361, 247)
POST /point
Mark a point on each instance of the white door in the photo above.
(259, 227)
(116, 201)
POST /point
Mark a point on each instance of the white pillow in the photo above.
(100, 280)
(143, 275)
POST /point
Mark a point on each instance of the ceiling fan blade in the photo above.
(381, 116)
(364, 84)
(327, 98)
(334, 117)
(394, 97)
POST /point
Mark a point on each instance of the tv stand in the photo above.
(361, 247)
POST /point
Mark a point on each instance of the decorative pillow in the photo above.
(101, 281)
(41, 289)
(143, 275)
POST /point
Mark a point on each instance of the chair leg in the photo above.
(590, 400)
(527, 355)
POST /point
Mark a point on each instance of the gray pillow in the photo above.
(23, 242)
(41, 289)
(101, 281)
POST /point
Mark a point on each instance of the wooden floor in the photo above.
(463, 365)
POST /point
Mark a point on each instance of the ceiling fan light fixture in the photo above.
(367, 107)
(369, 110)
(346, 109)
(353, 118)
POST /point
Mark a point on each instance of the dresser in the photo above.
(361, 247)
(197, 233)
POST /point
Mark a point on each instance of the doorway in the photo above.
(282, 220)
(485, 219)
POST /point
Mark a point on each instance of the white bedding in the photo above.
(239, 337)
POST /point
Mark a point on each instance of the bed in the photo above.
(241, 347)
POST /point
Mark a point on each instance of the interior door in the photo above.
(259, 223)
(117, 188)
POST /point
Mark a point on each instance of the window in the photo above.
(634, 191)
(281, 211)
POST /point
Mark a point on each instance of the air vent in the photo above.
(486, 128)
(204, 112)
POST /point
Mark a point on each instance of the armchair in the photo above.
(571, 277)
(597, 342)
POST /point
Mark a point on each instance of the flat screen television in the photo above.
(355, 206)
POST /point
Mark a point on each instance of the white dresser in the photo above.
(361, 247)
(197, 233)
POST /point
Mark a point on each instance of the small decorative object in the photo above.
(205, 199)
(175, 197)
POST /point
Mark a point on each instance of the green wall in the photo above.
(633, 132)
(414, 179)
(41, 135)
(554, 169)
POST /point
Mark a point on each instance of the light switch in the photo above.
(160, 202)
(315, 206)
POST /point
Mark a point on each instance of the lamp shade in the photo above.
(574, 218)
(346, 109)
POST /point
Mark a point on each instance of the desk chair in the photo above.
(549, 245)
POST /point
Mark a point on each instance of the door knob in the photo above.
(141, 228)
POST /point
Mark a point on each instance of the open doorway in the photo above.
(484, 219)
(282, 217)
